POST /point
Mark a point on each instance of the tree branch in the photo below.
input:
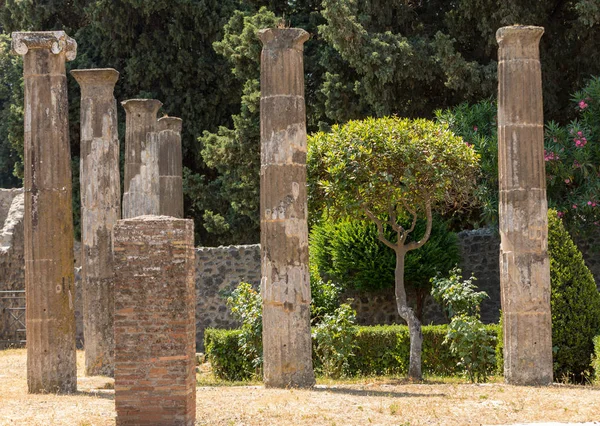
(416, 244)
(379, 224)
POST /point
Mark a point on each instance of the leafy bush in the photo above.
(349, 253)
(596, 360)
(575, 304)
(246, 306)
(457, 296)
(467, 335)
(333, 342)
(378, 350)
(572, 155)
(324, 295)
(477, 125)
(225, 356)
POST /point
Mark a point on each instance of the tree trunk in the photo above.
(414, 325)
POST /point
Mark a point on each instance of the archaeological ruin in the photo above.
(100, 209)
(523, 209)
(147, 294)
(49, 279)
(285, 285)
(141, 184)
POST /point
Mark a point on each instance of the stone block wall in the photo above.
(12, 248)
(219, 270)
(480, 253)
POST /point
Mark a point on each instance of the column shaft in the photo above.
(285, 283)
(523, 210)
(169, 166)
(48, 221)
(141, 192)
(100, 210)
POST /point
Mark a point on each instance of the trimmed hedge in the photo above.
(596, 360)
(380, 350)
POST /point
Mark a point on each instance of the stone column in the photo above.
(169, 166)
(49, 280)
(155, 321)
(141, 192)
(523, 210)
(100, 210)
(285, 284)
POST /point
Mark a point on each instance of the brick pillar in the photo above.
(100, 210)
(141, 192)
(285, 284)
(523, 210)
(155, 327)
(48, 221)
(169, 166)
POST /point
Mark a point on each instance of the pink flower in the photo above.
(582, 104)
(589, 203)
(580, 133)
(593, 204)
(560, 214)
(574, 206)
(475, 128)
(576, 164)
(468, 144)
(567, 181)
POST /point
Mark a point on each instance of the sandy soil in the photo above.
(365, 402)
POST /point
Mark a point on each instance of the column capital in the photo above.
(283, 38)
(169, 123)
(96, 76)
(55, 41)
(521, 41)
(141, 105)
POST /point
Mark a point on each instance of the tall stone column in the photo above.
(523, 210)
(48, 222)
(169, 166)
(141, 192)
(100, 210)
(285, 284)
(155, 321)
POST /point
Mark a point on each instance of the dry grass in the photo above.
(357, 402)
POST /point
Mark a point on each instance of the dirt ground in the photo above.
(364, 402)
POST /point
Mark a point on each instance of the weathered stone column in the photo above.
(100, 210)
(49, 280)
(141, 192)
(285, 284)
(155, 321)
(523, 210)
(169, 166)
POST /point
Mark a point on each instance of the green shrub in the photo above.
(468, 337)
(334, 342)
(245, 304)
(224, 354)
(378, 350)
(596, 360)
(349, 253)
(324, 295)
(575, 304)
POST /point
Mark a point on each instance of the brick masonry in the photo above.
(155, 381)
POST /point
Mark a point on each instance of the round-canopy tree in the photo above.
(388, 170)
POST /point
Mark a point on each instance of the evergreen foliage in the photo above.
(349, 253)
(575, 304)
